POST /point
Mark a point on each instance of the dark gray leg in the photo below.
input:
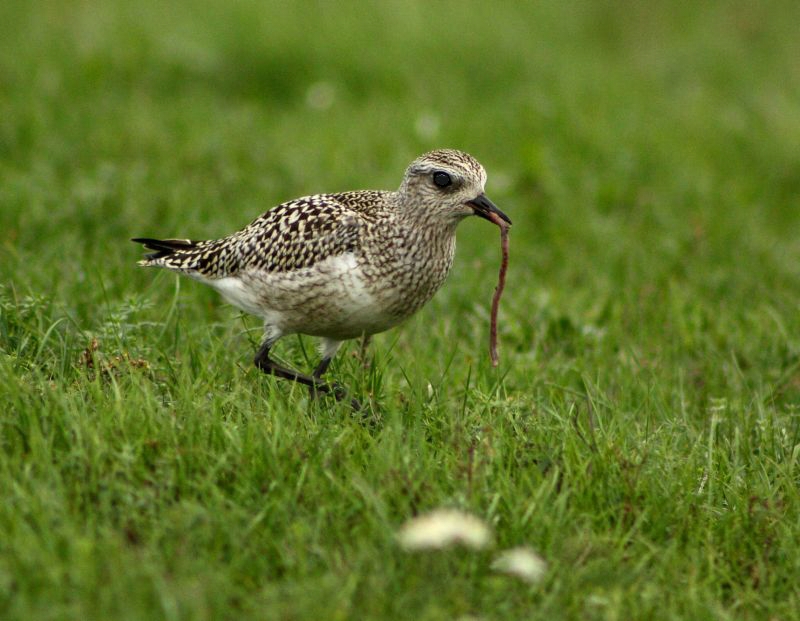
(315, 385)
(322, 367)
(264, 363)
(362, 351)
(338, 391)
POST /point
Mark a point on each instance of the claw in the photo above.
(338, 391)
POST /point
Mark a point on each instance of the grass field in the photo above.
(642, 432)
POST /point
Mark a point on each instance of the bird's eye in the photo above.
(441, 179)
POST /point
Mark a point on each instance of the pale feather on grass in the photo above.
(521, 562)
(443, 528)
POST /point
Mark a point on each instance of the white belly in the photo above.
(330, 299)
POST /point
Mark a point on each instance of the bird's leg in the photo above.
(338, 391)
(314, 382)
(264, 363)
(329, 349)
(362, 350)
(322, 367)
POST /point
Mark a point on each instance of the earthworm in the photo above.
(498, 290)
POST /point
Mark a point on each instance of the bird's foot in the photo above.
(338, 391)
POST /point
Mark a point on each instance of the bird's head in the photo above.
(447, 185)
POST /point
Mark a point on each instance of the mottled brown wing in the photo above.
(291, 236)
(298, 234)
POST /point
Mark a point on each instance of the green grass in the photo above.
(642, 432)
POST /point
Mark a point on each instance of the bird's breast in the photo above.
(409, 272)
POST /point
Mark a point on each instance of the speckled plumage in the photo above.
(343, 265)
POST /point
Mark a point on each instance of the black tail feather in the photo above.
(164, 247)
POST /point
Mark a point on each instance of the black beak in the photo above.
(483, 207)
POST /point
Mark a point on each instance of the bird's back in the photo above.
(292, 236)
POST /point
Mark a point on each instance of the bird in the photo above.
(339, 266)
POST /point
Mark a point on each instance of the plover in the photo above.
(339, 266)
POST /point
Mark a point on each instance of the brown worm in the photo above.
(498, 290)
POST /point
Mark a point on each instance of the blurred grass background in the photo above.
(643, 430)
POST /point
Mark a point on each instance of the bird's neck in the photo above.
(424, 217)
